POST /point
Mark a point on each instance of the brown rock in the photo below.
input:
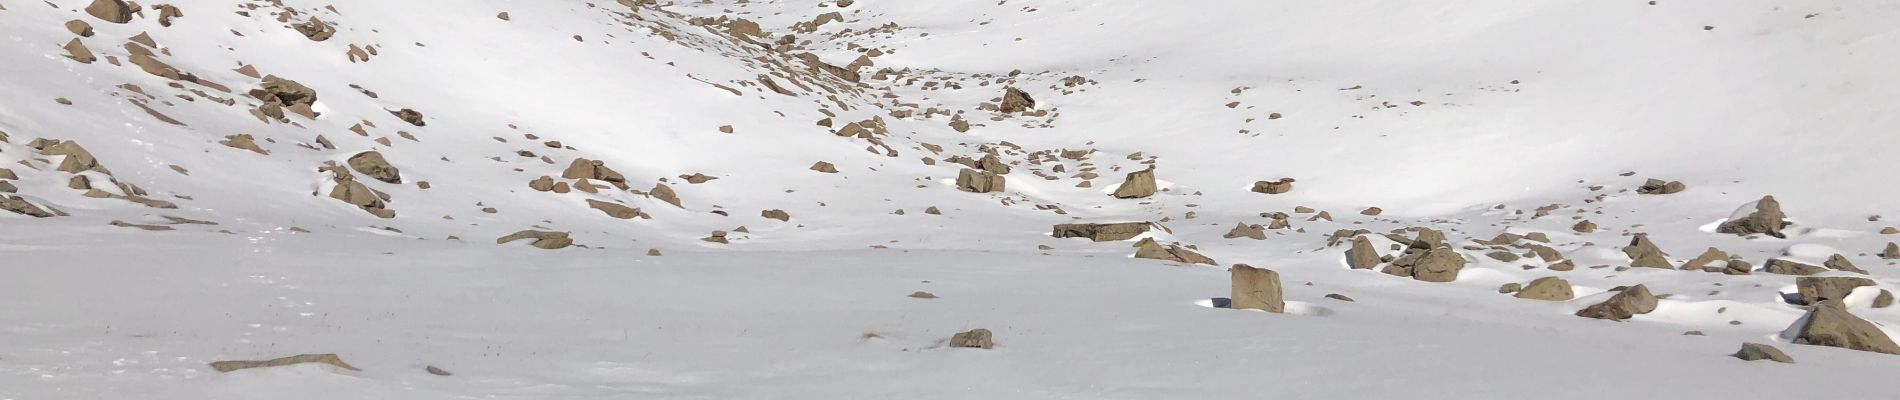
(315, 29)
(77, 158)
(780, 215)
(77, 51)
(18, 205)
(973, 339)
(413, 117)
(976, 181)
(328, 359)
(716, 237)
(1658, 186)
(1884, 299)
(1015, 101)
(372, 163)
(824, 167)
(1631, 301)
(1274, 187)
(1758, 351)
(615, 210)
(1584, 226)
(1708, 256)
(1828, 325)
(1548, 288)
(1255, 232)
(1790, 267)
(1438, 264)
(1767, 219)
(542, 184)
(1139, 184)
(1830, 290)
(1840, 262)
(1149, 249)
(243, 141)
(1256, 289)
(1892, 252)
(1108, 232)
(542, 239)
(583, 168)
(79, 27)
(114, 11)
(1362, 255)
(665, 193)
(166, 13)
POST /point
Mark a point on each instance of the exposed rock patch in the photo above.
(1242, 230)
(1273, 187)
(976, 181)
(1758, 351)
(1658, 186)
(1149, 249)
(1785, 266)
(973, 339)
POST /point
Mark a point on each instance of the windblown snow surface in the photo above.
(1466, 117)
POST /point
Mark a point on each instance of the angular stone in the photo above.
(1257, 289)
(976, 181)
(973, 339)
(1548, 288)
(615, 210)
(1439, 264)
(1708, 256)
(1828, 325)
(1758, 351)
(1840, 263)
(1362, 255)
(665, 193)
(1015, 101)
(1139, 184)
(1790, 267)
(1631, 301)
(1242, 230)
(1767, 219)
(114, 11)
(1817, 290)
(372, 163)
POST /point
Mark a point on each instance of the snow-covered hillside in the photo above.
(733, 199)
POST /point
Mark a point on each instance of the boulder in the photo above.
(1015, 101)
(780, 215)
(1766, 219)
(1548, 288)
(976, 181)
(1644, 254)
(1829, 325)
(1708, 256)
(1892, 252)
(1738, 267)
(372, 163)
(1658, 186)
(582, 168)
(824, 167)
(355, 193)
(1584, 226)
(1107, 232)
(413, 117)
(1273, 187)
(114, 11)
(1242, 230)
(1790, 267)
(1884, 299)
(992, 165)
(1830, 290)
(327, 359)
(1257, 289)
(1438, 264)
(542, 184)
(973, 339)
(1139, 184)
(665, 193)
(1631, 301)
(1362, 255)
(1758, 351)
(77, 158)
(79, 27)
(77, 51)
(542, 239)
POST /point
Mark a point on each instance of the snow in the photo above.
(1522, 105)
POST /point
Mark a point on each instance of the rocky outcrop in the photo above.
(541, 239)
(1273, 187)
(1015, 101)
(1362, 255)
(1829, 325)
(326, 359)
(1790, 267)
(1829, 290)
(975, 181)
(1624, 305)
(1437, 264)
(1242, 230)
(1767, 219)
(1149, 249)
(1139, 184)
(1658, 186)
(114, 11)
(372, 163)
(1256, 289)
(973, 339)
(1548, 288)
(583, 168)
(1108, 232)
(1758, 351)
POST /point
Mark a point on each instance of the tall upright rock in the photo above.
(1139, 184)
(1257, 289)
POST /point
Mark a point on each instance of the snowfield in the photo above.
(764, 200)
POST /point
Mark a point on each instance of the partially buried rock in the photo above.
(1828, 325)
(1758, 351)
(1548, 288)
(243, 141)
(824, 167)
(973, 339)
(1708, 257)
(1628, 303)
(432, 370)
(18, 205)
(976, 181)
(1107, 232)
(1790, 267)
(1255, 232)
(1362, 255)
(1340, 297)
(1273, 187)
(665, 193)
(1438, 264)
(114, 11)
(327, 359)
(1658, 186)
(1149, 249)
(1015, 101)
(1139, 184)
(372, 163)
(542, 239)
(1892, 252)
(1256, 289)
(1766, 219)
(780, 215)
(615, 210)
(77, 51)
(1840, 263)
(583, 168)
(413, 117)
(716, 237)
(1584, 226)
(1830, 290)
(922, 295)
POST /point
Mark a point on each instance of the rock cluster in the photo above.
(1658, 186)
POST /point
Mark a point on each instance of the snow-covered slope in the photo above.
(1473, 118)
